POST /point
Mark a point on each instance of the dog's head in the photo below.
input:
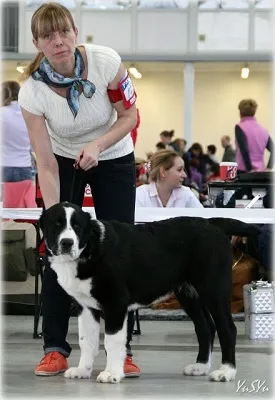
(66, 230)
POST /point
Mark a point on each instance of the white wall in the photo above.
(217, 94)
(161, 104)
(10, 75)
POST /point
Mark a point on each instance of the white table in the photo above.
(253, 215)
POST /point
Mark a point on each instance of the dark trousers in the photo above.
(112, 184)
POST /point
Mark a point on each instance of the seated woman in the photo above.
(165, 189)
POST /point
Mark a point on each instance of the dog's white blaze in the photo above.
(115, 346)
(75, 287)
(225, 373)
(102, 230)
(69, 233)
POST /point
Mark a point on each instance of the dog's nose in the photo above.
(66, 244)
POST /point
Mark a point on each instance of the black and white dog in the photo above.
(113, 267)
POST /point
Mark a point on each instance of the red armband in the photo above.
(124, 92)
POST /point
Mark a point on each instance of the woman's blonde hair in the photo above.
(247, 107)
(10, 90)
(49, 17)
(161, 159)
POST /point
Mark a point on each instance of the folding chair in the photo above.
(137, 331)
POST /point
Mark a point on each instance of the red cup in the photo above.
(228, 170)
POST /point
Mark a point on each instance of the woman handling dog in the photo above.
(78, 103)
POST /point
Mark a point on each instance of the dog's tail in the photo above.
(235, 227)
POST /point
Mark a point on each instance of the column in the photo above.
(189, 77)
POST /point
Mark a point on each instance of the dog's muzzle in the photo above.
(66, 245)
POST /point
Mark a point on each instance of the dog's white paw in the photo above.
(109, 377)
(81, 373)
(225, 374)
(197, 369)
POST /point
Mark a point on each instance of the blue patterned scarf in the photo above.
(45, 73)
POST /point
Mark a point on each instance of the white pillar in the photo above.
(189, 77)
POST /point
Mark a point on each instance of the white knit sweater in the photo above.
(96, 115)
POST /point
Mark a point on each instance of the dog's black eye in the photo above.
(57, 223)
(75, 226)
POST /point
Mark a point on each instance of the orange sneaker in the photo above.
(52, 364)
(131, 370)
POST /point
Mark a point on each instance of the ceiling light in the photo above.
(20, 68)
(245, 72)
(134, 71)
(138, 75)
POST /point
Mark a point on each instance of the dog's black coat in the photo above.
(138, 264)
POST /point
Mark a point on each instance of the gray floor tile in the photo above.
(162, 351)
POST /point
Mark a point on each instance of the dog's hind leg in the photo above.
(88, 331)
(204, 327)
(115, 346)
(220, 310)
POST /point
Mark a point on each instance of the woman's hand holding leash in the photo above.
(88, 157)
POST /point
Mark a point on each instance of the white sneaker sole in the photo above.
(43, 373)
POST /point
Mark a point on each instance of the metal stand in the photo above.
(137, 331)
(39, 262)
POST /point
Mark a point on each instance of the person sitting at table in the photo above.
(166, 176)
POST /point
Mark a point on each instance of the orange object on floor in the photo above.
(131, 370)
(19, 194)
(53, 363)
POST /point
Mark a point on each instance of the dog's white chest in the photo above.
(75, 287)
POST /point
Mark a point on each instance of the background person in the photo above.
(165, 188)
(211, 152)
(229, 152)
(78, 115)
(18, 186)
(251, 140)
(166, 139)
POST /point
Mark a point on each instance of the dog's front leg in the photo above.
(88, 331)
(115, 346)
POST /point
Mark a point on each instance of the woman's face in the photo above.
(58, 47)
(176, 174)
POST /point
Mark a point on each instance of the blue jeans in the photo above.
(16, 174)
